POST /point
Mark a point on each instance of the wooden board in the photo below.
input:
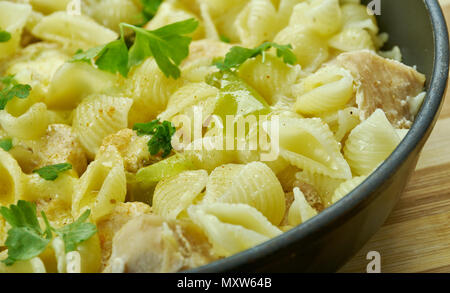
(416, 237)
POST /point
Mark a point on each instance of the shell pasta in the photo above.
(159, 136)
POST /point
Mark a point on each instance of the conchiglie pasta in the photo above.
(13, 17)
(38, 188)
(323, 16)
(257, 23)
(273, 78)
(110, 13)
(85, 259)
(174, 195)
(49, 6)
(370, 143)
(34, 265)
(346, 187)
(101, 187)
(232, 228)
(300, 210)
(99, 116)
(150, 91)
(330, 88)
(72, 81)
(310, 49)
(354, 15)
(30, 125)
(324, 185)
(254, 184)
(11, 179)
(170, 12)
(73, 31)
(352, 39)
(309, 145)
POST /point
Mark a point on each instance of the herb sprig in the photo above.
(10, 89)
(161, 136)
(52, 172)
(169, 45)
(27, 240)
(238, 55)
(149, 8)
(6, 144)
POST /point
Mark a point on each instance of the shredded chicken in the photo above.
(311, 195)
(149, 243)
(383, 83)
(108, 227)
(132, 148)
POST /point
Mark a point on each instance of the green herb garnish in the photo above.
(225, 39)
(149, 8)
(238, 55)
(169, 45)
(10, 89)
(6, 144)
(26, 239)
(161, 136)
(4, 36)
(51, 173)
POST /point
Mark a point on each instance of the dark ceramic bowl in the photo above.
(329, 240)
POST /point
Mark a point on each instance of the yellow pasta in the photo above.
(13, 17)
(99, 116)
(300, 210)
(346, 187)
(370, 143)
(232, 228)
(318, 151)
(254, 184)
(328, 89)
(71, 31)
(101, 187)
(174, 195)
(11, 179)
(30, 125)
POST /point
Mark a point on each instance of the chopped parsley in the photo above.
(149, 8)
(27, 240)
(6, 144)
(4, 36)
(169, 45)
(10, 89)
(238, 55)
(51, 173)
(161, 136)
(225, 39)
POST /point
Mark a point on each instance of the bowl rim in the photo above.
(362, 195)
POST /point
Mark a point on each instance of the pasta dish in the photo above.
(159, 136)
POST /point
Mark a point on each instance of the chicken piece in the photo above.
(311, 195)
(149, 244)
(383, 83)
(206, 49)
(61, 145)
(132, 148)
(108, 227)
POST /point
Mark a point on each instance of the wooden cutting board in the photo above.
(416, 236)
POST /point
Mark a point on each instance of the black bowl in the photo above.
(329, 240)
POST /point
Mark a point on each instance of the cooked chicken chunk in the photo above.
(132, 148)
(311, 195)
(383, 83)
(61, 145)
(108, 227)
(150, 244)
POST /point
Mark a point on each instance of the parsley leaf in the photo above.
(11, 88)
(149, 8)
(225, 39)
(238, 55)
(114, 58)
(168, 45)
(6, 144)
(51, 173)
(161, 136)
(4, 36)
(77, 232)
(25, 238)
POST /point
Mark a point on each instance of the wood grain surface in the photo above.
(416, 236)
